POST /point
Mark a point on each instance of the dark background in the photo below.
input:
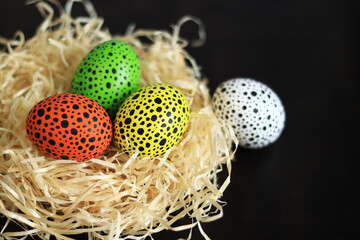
(305, 185)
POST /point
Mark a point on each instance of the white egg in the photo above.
(252, 109)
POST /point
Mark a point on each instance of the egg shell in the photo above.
(152, 120)
(252, 109)
(109, 74)
(69, 126)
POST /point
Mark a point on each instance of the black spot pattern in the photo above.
(105, 76)
(252, 109)
(68, 126)
(152, 120)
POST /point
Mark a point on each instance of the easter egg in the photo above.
(152, 120)
(69, 126)
(109, 74)
(252, 109)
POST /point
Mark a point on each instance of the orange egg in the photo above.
(69, 126)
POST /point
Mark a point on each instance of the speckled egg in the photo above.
(152, 120)
(252, 109)
(109, 74)
(69, 126)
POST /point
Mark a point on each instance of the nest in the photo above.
(115, 196)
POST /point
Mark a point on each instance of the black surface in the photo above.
(305, 185)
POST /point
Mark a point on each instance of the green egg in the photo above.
(109, 74)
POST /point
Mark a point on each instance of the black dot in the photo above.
(91, 147)
(132, 112)
(86, 115)
(253, 93)
(92, 139)
(51, 142)
(110, 53)
(38, 122)
(94, 119)
(162, 142)
(127, 121)
(37, 135)
(48, 150)
(244, 107)
(113, 70)
(147, 145)
(135, 96)
(47, 117)
(73, 131)
(175, 130)
(158, 100)
(64, 116)
(141, 149)
(64, 157)
(41, 112)
(255, 110)
(108, 85)
(179, 101)
(64, 123)
(153, 117)
(158, 109)
(79, 119)
(140, 131)
(83, 140)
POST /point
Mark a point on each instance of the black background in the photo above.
(305, 185)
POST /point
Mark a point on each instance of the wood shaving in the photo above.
(115, 196)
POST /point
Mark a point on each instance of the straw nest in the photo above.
(115, 196)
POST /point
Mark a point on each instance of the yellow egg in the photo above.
(151, 120)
